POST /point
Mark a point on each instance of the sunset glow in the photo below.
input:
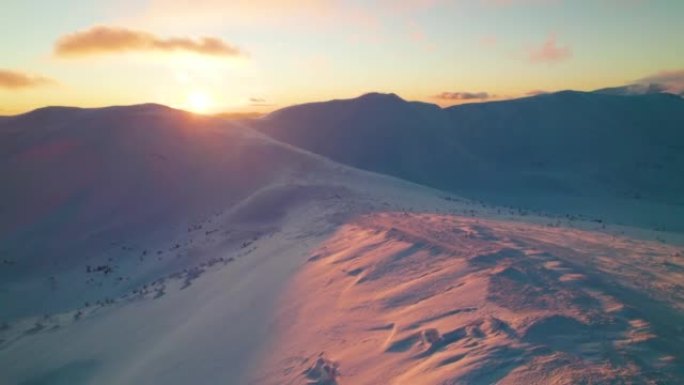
(258, 56)
(342, 192)
(199, 102)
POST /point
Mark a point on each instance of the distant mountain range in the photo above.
(80, 165)
(568, 143)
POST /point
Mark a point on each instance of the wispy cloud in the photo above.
(550, 52)
(463, 96)
(536, 92)
(15, 80)
(256, 101)
(106, 39)
(667, 81)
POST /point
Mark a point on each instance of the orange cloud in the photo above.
(550, 52)
(104, 39)
(18, 80)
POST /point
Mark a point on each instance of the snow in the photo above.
(238, 259)
(428, 298)
(555, 152)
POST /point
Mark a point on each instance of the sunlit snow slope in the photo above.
(424, 298)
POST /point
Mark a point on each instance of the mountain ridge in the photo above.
(572, 145)
(568, 144)
(365, 96)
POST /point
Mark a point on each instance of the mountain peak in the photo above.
(380, 96)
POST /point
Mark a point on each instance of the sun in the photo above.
(199, 101)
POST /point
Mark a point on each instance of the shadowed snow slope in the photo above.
(94, 188)
(564, 151)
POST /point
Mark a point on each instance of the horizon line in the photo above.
(254, 114)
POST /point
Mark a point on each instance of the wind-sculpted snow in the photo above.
(411, 298)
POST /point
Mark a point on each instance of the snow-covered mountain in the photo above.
(75, 180)
(146, 245)
(560, 152)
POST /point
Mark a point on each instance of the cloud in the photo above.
(671, 81)
(667, 81)
(15, 80)
(536, 92)
(463, 96)
(550, 52)
(259, 102)
(106, 39)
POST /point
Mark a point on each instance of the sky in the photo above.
(214, 56)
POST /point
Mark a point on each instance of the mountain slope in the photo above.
(425, 298)
(378, 132)
(622, 144)
(110, 187)
(145, 245)
(619, 151)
